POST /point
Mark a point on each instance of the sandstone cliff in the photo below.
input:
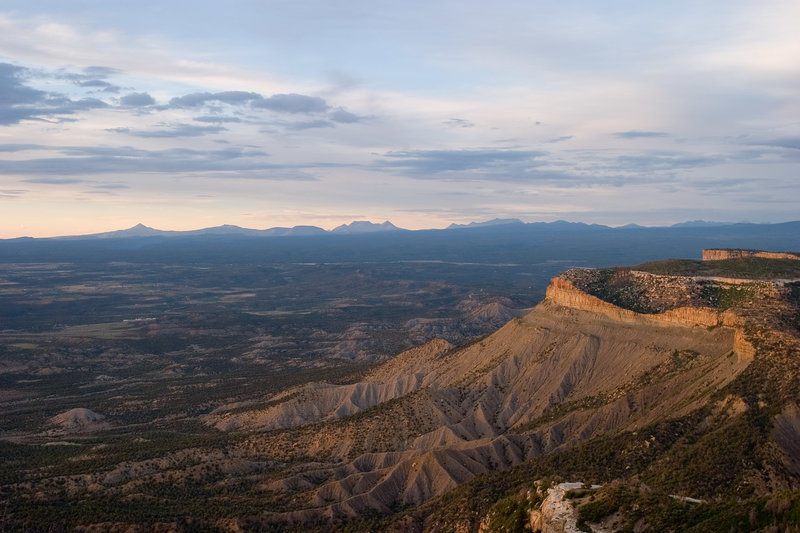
(719, 254)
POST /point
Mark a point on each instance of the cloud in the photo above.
(88, 74)
(458, 123)
(344, 117)
(54, 181)
(281, 103)
(137, 99)
(226, 97)
(292, 103)
(176, 130)
(726, 185)
(21, 147)
(12, 91)
(63, 105)
(101, 72)
(649, 161)
(297, 126)
(426, 162)
(792, 143)
(20, 102)
(559, 139)
(82, 161)
(217, 119)
(110, 186)
(100, 84)
(107, 188)
(636, 134)
(533, 167)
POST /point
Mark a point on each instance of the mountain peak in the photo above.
(365, 226)
(139, 230)
(630, 226)
(493, 222)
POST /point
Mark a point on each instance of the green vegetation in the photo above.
(749, 267)
(658, 511)
(595, 511)
(617, 286)
(726, 297)
(509, 515)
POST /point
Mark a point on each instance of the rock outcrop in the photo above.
(79, 420)
(556, 514)
(719, 254)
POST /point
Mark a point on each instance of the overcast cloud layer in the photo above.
(182, 115)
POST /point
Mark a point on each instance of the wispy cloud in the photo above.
(100, 84)
(657, 161)
(53, 181)
(281, 103)
(110, 160)
(292, 103)
(310, 124)
(21, 147)
(792, 143)
(458, 123)
(214, 119)
(637, 134)
(111, 186)
(171, 131)
(226, 97)
(12, 193)
(558, 139)
(438, 161)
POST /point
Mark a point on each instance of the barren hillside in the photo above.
(575, 368)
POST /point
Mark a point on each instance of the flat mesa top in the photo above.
(718, 254)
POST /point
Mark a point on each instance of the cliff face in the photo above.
(719, 254)
(557, 514)
(563, 292)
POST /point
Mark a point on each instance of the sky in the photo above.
(183, 115)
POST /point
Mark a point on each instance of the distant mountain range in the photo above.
(699, 224)
(358, 227)
(140, 230)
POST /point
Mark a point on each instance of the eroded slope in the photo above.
(574, 368)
